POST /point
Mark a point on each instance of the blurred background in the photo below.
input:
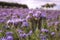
(35, 3)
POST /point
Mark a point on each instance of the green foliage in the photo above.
(49, 5)
(12, 5)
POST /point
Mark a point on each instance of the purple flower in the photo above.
(43, 14)
(44, 30)
(38, 12)
(52, 33)
(23, 35)
(20, 31)
(30, 12)
(3, 38)
(9, 33)
(10, 21)
(43, 37)
(9, 38)
(2, 20)
(35, 15)
(1, 31)
(25, 24)
(28, 17)
(56, 22)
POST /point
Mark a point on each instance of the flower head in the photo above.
(9, 33)
(9, 38)
(52, 33)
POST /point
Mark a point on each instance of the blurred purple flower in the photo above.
(43, 37)
(20, 31)
(43, 14)
(28, 17)
(30, 12)
(3, 38)
(56, 22)
(2, 20)
(9, 38)
(35, 15)
(44, 30)
(9, 33)
(52, 33)
(25, 24)
(23, 35)
(1, 31)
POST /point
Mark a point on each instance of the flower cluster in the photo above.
(27, 24)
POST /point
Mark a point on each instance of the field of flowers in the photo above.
(29, 24)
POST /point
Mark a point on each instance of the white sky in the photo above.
(35, 3)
